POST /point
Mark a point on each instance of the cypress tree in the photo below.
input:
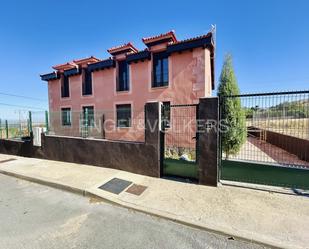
(232, 113)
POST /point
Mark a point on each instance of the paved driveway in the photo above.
(257, 150)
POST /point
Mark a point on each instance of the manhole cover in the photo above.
(115, 186)
(7, 160)
(136, 189)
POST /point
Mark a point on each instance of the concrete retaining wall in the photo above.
(15, 147)
(293, 145)
(134, 157)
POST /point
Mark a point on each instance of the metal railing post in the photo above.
(86, 118)
(30, 122)
(81, 124)
(6, 129)
(20, 129)
(46, 121)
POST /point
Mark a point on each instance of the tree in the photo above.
(231, 111)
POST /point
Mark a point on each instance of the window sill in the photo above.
(64, 98)
(159, 87)
(123, 92)
(87, 95)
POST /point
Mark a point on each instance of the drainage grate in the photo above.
(136, 189)
(115, 186)
(7, 160)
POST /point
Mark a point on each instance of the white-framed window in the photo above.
(123, 112)
(66, 116)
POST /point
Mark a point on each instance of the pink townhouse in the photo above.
(108, 96)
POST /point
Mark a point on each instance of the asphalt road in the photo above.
(35, 216)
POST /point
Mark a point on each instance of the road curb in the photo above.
(45, 182)
(182, 222)
(86, 193)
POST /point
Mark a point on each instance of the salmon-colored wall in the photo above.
(189, 80)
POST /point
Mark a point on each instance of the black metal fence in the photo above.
(180, 131)
(179, 124)
(276, 128)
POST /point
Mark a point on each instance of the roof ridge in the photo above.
(129, 44)
(171, 32)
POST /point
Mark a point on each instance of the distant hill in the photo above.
(293, 109)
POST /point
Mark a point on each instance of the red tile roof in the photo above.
(64, 66)
(194, 38)
(171, 34)
(87, 60)
(127, 46)
(75, 63)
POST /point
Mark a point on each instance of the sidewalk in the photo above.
(275, 219)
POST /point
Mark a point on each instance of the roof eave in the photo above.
(139, 56)
(49, 76)
(104, 64)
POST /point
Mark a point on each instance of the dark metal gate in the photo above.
(180, 137)
(275, 148)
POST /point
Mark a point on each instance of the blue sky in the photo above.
(268, 38)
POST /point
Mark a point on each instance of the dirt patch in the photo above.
(93, 200)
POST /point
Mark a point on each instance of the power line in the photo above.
(29, 107)
(21, 96)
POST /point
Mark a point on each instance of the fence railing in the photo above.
(277, 127)
(180, 129)
(21, 126)
(129, 125)
(100, 124)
